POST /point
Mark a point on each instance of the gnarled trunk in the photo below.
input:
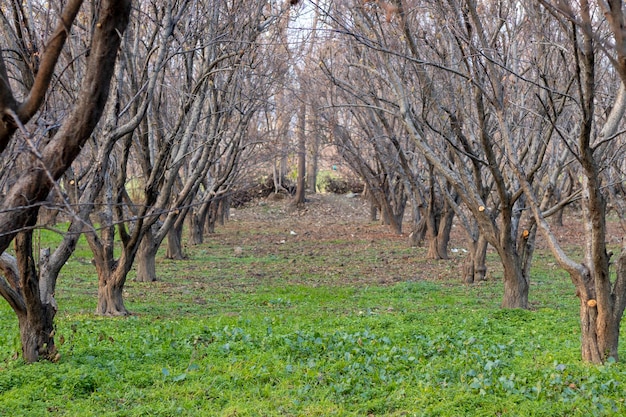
(445, 228)
(110, 297)
(34, 306)
(111, 279)
(432, 229)
(37, 333)
(433, 248)
(438, 228)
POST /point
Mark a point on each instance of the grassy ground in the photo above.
(311, 314)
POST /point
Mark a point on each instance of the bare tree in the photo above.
(587, 133)
(32, 301)
(433, 69)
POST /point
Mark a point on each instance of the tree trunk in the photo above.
(313, 165)
(445, 228)
(418, 233)
(197, 222)
(196, 229)
(373, 211)
(36, 322)
(557, 219)
(433, 248)
(146, 259)
(600, 324)
(35, 310)
(368, 196)
(515, 283)
(301, 184)
(474, 267)
(437, 243)
(438, 228)
(391, 219)
(209, 225)
(174, 242)
(223, 210)
(37, 333)
(433, 217)
(597, 343)
(110, 296)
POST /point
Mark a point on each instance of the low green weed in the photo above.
(273, 334)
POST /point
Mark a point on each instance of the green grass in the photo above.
(299, 329)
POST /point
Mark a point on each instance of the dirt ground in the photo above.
(337, 228)
(325, 216)
(331, 216)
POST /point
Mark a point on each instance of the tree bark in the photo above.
(146, 258)
(196, 227)
(37, 333)
(600, 326)
(445, 228)
(301, 184)
(211, 218)
(223, 210)
(418, 232)
(373, 211)
(111, 274)
(313, 166)
(35, 309)
(174, 242)
(515, 288)
(474, 267)
(110, 295)
(438, 228)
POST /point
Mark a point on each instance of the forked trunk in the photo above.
(474, 267)
(110, 298)
(432, 230)
(433, 248)
(439, 228)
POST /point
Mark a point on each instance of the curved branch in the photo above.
(35, 98)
